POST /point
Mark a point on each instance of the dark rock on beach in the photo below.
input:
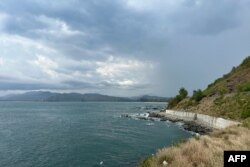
(196, 127)
(154, 115)
(192, 126)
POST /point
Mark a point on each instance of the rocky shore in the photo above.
(192, 126)
(189, 125)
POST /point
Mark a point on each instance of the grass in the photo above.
(228, 97)
(245, 87)
(230, 106)
(246, 123)
(205, 151)
(146, 162)
(235, 81)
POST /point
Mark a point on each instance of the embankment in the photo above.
(213, 122)
(195, 122)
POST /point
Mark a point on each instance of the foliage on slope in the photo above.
(228, 96)
(238, 80)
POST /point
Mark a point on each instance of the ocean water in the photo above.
(80, 134)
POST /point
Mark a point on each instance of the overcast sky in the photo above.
(120, 47)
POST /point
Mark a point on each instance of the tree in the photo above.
(197, 95)
(183, 93)
(174, 101)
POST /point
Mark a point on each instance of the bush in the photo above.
(246, 123)
(183, 93)
(244, 87)
(246, 62)
(246, 111)
(197, 95)
(233, 69)
(146, 162)
(174, 101)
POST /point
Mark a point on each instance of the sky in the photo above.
(120, 47)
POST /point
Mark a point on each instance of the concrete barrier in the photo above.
(214, 122)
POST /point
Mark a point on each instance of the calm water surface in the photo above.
(56, 134)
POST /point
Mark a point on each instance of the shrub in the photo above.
(223, 91)
(183, 93)
(246, 62)
(246, 123)
(174, 101)
(197, 95)
(246, 111)
(233, 69)
(146, 162)
(244, 87)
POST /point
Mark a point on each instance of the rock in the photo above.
(162, 110)
(196, 127)
(163, 119)
(193, 126)
(197, 135)
(165, 163)
(125, 115)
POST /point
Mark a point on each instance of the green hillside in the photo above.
(238, 80)
(228, 96)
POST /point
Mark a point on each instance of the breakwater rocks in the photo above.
(189, 125)
(142, 116)
(192, 126)
(194, 122)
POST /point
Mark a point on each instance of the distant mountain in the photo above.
(49, 96)
(84, 97)
(29, 96)
(147, 98)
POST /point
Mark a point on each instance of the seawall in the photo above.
(213, 122)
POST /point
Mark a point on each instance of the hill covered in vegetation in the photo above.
(228, 96)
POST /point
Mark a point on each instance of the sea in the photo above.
(81, 134)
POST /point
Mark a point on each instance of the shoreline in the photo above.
(199, 124)
(188, 125)
(194, 122)
(202, 141)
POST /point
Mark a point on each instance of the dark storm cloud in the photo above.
(111, 23)
(177, 36)
(116, 85)
(66, 85)
(25, 86)
(103, 23)
(79, 85)
(210, 18)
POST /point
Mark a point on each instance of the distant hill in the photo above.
(147, 98)
(29, 96)
(49, 96)
(228, 96)
(84, 97)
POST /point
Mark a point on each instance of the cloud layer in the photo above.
(123, 47)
